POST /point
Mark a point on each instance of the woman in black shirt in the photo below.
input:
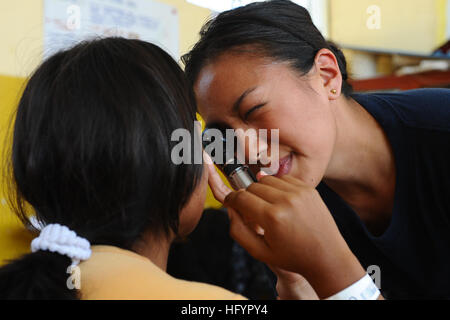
(379, 162)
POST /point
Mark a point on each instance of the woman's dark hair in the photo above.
(92, 151)
(279, 29)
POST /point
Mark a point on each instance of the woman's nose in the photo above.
(247, 145)
(258, 147)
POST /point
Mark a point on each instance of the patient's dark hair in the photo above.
(92, 151)
(278, 29)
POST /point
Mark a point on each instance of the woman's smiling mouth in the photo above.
(284, 167)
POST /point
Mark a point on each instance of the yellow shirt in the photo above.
(114, 273)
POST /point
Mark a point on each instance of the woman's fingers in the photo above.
(249, 206)
(294, 181)
(219, 189)
(266, 192)
(253, 243)
(278, 183)
(261, 174)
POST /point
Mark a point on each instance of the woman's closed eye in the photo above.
(247, 114)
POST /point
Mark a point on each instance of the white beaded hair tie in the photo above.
(60, 239)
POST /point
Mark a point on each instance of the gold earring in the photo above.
(334, 91)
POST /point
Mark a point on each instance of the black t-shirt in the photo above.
(413, 254)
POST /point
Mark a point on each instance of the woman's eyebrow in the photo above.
(237, 104)
(235, 109)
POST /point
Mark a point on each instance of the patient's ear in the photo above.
(191, 213)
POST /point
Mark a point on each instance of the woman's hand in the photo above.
(290, 285)
(293, 286)
(300, 233)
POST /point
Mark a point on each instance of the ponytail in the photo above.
(38, 275)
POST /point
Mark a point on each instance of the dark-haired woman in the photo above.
(92, 155)
(378, 164)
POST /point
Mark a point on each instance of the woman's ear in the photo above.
(327, 67)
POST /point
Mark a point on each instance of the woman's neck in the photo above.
(155, 248)
(362, 169)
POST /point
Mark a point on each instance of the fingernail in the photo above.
(261, 174)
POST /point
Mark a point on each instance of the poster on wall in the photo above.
(67, 22)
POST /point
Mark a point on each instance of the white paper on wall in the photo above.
(67, 22)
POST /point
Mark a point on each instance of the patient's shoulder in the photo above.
(114, 273)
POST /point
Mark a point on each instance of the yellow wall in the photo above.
(14, 240)
(21, 36)
(416, 26)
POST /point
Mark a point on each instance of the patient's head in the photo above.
(92, 143)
